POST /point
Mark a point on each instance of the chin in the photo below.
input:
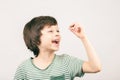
(56, 49)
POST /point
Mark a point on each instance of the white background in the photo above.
(100, 18)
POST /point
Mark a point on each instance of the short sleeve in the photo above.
(74, 66)
(20, 73)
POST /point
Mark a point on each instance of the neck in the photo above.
(45, 55)
(44, 59)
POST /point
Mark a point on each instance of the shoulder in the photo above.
(66, 56)
(21, 69)
(63, 56)
(24, 63)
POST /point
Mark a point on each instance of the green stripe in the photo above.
(65, 65)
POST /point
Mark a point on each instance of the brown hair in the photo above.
(32, 32)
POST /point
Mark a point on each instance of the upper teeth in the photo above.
(56, 41)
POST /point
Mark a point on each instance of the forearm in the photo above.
(93, 59)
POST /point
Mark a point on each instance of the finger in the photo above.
(72, 29)
(78, 29)
(72, 25)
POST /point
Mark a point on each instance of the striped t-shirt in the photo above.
(63, 67)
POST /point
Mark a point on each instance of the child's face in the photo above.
(50, 38)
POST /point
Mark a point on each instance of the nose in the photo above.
(57, 33)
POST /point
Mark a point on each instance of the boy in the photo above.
(42, 37)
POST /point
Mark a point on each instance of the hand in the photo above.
(77, 30)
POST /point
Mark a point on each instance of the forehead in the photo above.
(51, 27)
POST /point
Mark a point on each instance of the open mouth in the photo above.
(55, 41)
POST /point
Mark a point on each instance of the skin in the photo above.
(93, 64)
(47, 48)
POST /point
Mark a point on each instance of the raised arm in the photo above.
(93, 64)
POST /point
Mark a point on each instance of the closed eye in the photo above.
(50, 31)
(53, 31)
(58, 31)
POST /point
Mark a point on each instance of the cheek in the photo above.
(45, 39)
(60, 38)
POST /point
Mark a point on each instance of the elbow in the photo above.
(91, 68)
(97, 69)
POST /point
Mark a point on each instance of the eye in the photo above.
(50, 31)
(58, 31)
